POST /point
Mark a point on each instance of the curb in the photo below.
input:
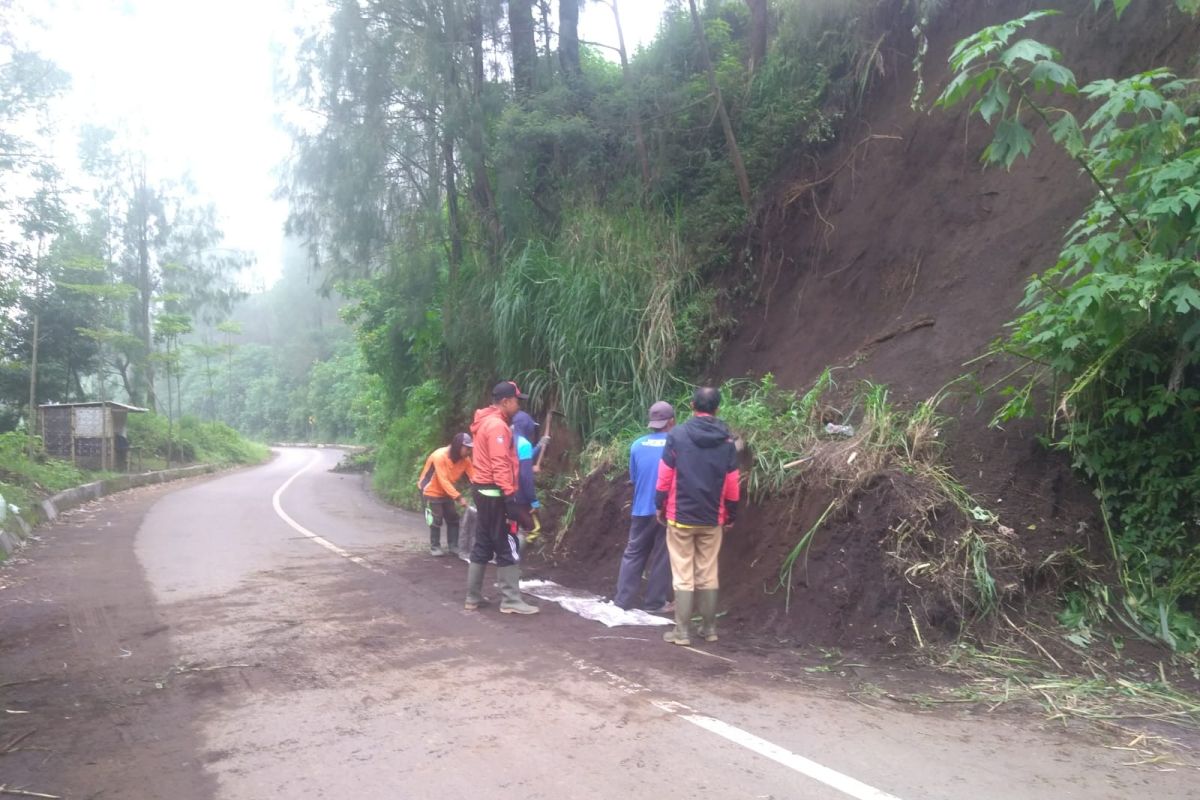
(49, 509)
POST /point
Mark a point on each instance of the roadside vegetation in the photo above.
(1106, 346)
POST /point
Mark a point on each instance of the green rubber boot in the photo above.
(706, 603)
(474, 586)
(510, 587)
(681, 633)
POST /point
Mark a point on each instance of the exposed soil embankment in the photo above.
(898, 258)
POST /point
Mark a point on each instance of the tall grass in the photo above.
(592, 316)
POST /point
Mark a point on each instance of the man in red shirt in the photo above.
(494, 485)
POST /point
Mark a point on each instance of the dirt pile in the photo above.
(897, 257)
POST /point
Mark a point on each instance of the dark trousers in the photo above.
(646, 552)
(442, 508)
(492, 535)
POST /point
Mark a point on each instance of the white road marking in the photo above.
(756, 744)
(805, 766)
(321, 540)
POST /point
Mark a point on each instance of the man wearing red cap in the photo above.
(494, 485)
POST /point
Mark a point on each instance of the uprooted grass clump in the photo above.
(942, 542)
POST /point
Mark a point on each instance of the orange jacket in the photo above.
(440, 473)
(495, 453)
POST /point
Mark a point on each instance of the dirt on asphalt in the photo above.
(75, 608)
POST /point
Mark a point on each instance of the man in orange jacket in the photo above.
(494, 486)
(443, 469)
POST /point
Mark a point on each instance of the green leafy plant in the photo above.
(1112, 329)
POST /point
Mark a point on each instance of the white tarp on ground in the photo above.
(590, 606)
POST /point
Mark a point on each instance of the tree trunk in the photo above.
(145, 287)
(759, 12)
(33, 367)
(635, 113)
(170, 409)
(735, 155)
(456, 237)
(568, 40)
(476, 149)
(524, 46)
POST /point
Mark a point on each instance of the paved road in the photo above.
(189, 642)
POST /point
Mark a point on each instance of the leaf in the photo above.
(1048, 74)
(1185, 298)
(1066, 133)
(1029, 50)
(1012, 139)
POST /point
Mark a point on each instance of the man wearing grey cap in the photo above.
(647, 548)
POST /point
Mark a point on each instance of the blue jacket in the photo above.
(523, 431)
(644, 455)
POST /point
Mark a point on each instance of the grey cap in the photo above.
(661, 414)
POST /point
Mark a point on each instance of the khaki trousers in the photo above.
(694, 554)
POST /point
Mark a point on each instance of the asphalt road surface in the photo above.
(278, 633)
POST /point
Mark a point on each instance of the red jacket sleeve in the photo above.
(664, 494)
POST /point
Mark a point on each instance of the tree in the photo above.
(568, 41)
(759, 23)
(639, 138)
(735, 155)
(42, 217)
(523, 45)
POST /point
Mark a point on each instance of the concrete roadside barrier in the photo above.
(14, 528)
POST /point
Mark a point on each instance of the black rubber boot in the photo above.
(452, 539)
(435, 541)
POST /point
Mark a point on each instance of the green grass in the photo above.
(601, 316)
(190, 441)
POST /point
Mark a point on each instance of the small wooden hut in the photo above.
(91, 435)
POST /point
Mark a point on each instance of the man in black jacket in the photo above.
(698, 496)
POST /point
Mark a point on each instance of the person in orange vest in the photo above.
(445, 467)
(495, 488)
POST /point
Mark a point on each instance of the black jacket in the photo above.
(698, 475)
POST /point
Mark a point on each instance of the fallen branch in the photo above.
(21, 683)
(12, 746)
(23, 793)
(924, 322)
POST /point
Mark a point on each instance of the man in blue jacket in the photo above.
(525, 502)
(647, 547)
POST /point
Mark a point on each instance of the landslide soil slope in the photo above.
(902, 263)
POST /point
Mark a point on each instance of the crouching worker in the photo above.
(495, 487)
(444, 468)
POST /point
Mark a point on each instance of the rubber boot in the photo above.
(452, 539)
(706, 603)
(474, 586)
(510, 588)
(681, 634)
(435, 541)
